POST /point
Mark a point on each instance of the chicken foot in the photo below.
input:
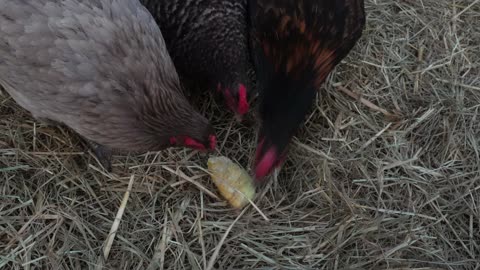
(102, 153)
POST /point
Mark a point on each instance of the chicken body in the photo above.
(296, 44)
(208, 42)
(102, 69)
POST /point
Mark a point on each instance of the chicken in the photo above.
(100, 68)
(208, 42)
(295, 46)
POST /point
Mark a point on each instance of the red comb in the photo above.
(242, 106)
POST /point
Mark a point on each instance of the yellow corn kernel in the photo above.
(233, 182)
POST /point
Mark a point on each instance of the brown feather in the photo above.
(296, 44)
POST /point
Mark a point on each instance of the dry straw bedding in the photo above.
(385, 174)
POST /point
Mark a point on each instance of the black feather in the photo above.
(207, 39)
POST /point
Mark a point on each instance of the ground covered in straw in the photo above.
(385, 173)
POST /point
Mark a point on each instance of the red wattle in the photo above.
(266, 164)
(213, 142)
(242, 106)
(189, 142)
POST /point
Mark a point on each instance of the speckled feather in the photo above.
(207, 39)
(99, 67)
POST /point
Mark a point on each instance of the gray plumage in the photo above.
(99, 67)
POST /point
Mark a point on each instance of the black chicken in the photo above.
(296, 44)
(208, 42)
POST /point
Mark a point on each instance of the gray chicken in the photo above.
(100, 68)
